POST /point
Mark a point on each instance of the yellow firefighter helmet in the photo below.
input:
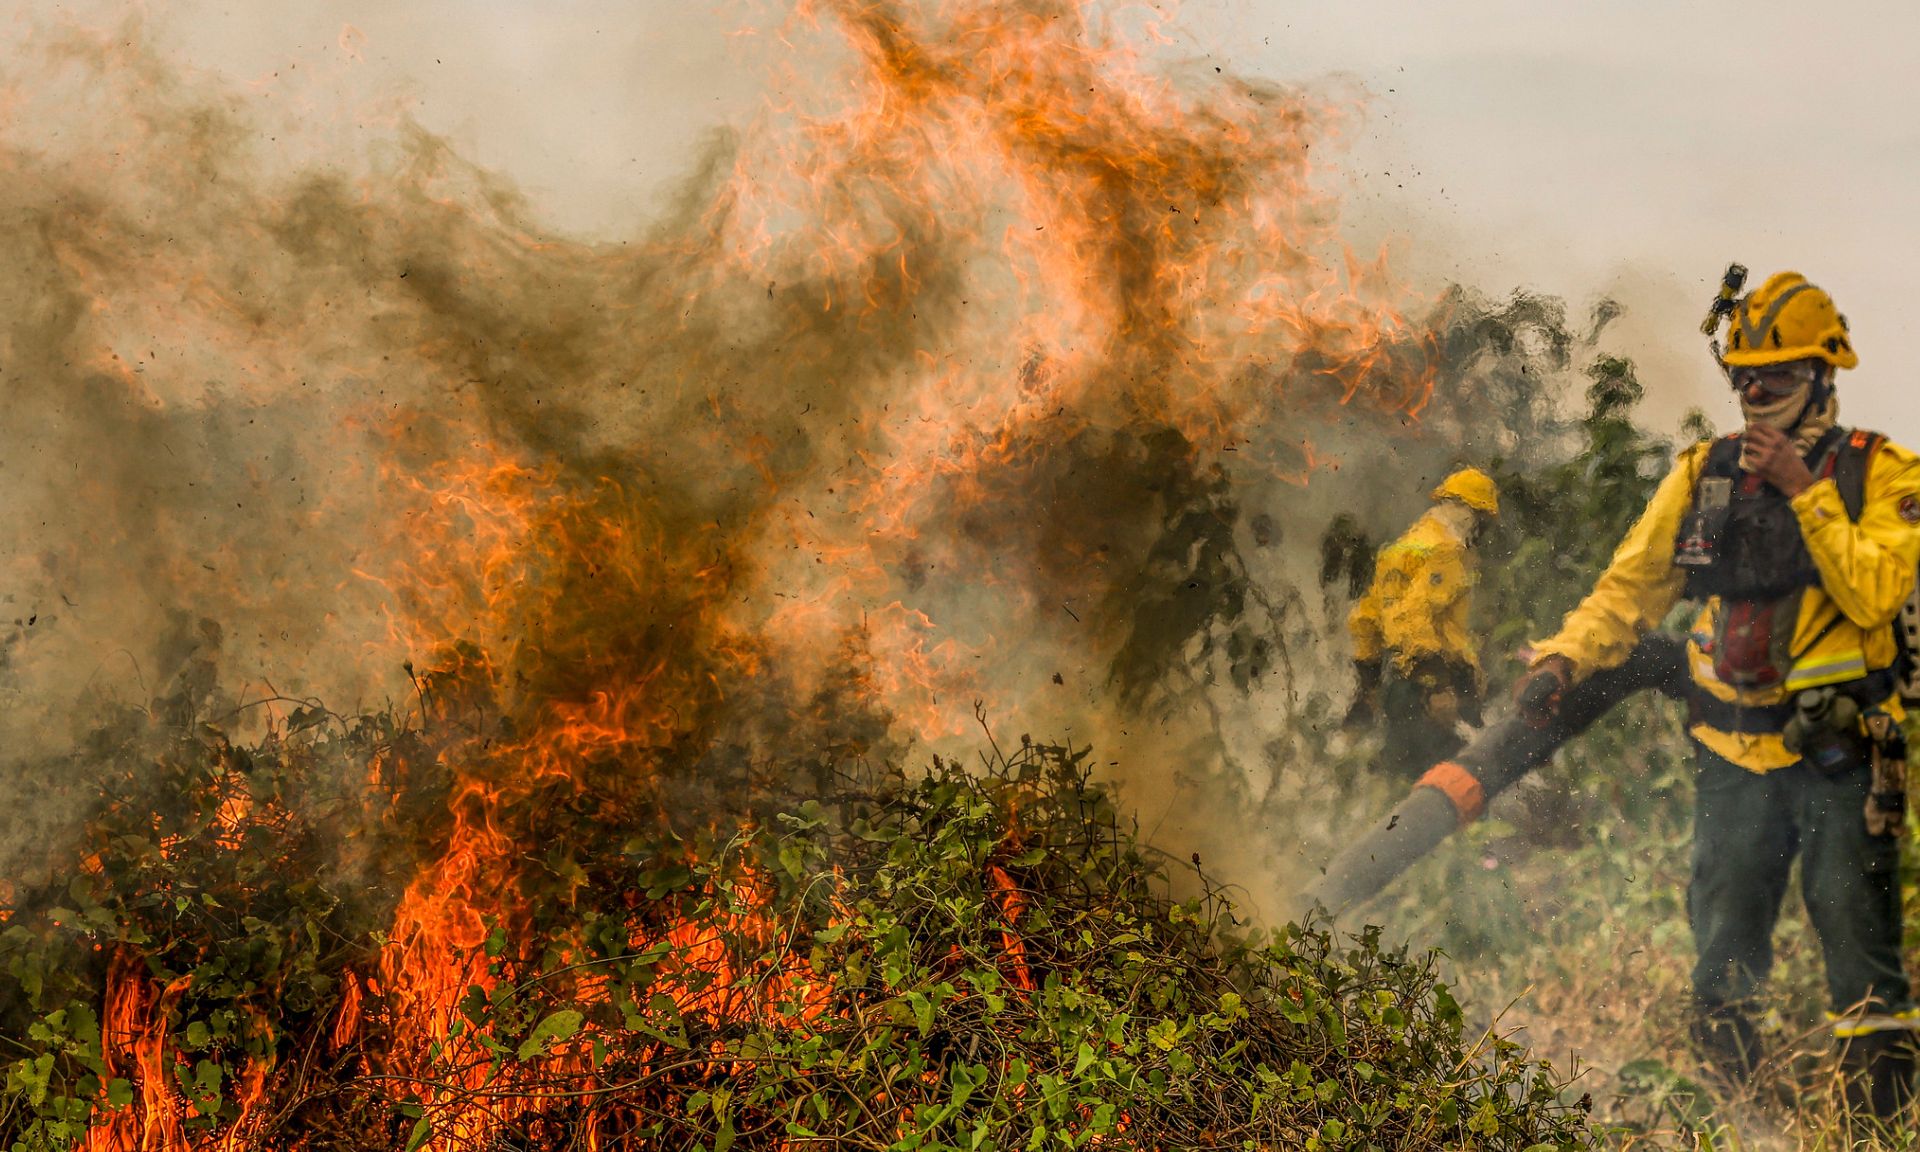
(1471, 487)
(1788, 319)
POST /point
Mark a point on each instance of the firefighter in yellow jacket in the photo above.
(1411, 649)
(1799, 539)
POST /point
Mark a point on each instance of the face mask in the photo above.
(1780, 413)
(1463, 521)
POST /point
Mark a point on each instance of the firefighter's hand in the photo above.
(1539, 692)
(1772, 455)
(1470, 709)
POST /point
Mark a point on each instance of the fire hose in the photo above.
(1455, 792)
(1827, 725)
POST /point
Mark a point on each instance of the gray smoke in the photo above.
(1001, 368)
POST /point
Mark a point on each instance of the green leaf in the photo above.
(922, 1011)
(1083, 1058)
(552, 1030)
(119, 1092)
(422, 1132)
(31, 1078)
(1486, 1120)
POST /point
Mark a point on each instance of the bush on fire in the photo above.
(954, 960)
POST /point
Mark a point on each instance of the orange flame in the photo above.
(1003, 237)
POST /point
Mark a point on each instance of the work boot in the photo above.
(1728, 1043)
(1876, 1072)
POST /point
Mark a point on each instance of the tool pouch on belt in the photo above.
(1887, 800)
(1825, 730)
(1752, 643)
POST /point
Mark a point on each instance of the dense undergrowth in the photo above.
(980, 959)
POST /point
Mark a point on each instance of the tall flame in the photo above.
(879, 425)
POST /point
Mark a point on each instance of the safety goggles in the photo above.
(1776, 380)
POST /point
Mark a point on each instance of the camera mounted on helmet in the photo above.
(1782, 336)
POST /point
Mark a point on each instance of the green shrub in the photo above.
(976, 960)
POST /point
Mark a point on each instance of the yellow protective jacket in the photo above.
(1844, 628)
(1417, 606)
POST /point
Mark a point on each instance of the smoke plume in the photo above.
(1000, 373)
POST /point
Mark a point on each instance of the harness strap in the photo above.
(1849, 469)
(1764, 719)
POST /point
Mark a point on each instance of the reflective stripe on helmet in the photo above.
(1757, 337)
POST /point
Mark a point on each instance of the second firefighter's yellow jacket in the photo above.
(1417, 606)
(1844, 627)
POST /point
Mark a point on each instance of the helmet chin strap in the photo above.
(1820, 413)
(1816, 395)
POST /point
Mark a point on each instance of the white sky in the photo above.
(1630, 146)
(1640, 145)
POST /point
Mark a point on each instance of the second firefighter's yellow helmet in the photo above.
(1473, 488)
(1788, 319)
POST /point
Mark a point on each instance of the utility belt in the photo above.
(1831, 729)
(1762, 719)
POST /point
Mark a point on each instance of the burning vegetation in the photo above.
(465, 680)
(963, 959)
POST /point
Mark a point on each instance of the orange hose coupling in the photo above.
(1458, 785)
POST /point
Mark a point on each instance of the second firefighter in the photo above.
(1413, 653)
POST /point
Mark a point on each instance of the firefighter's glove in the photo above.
(1470, 709)
(1460, 677)
(1365, 697)
(1539, 692)
(1453, 691)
